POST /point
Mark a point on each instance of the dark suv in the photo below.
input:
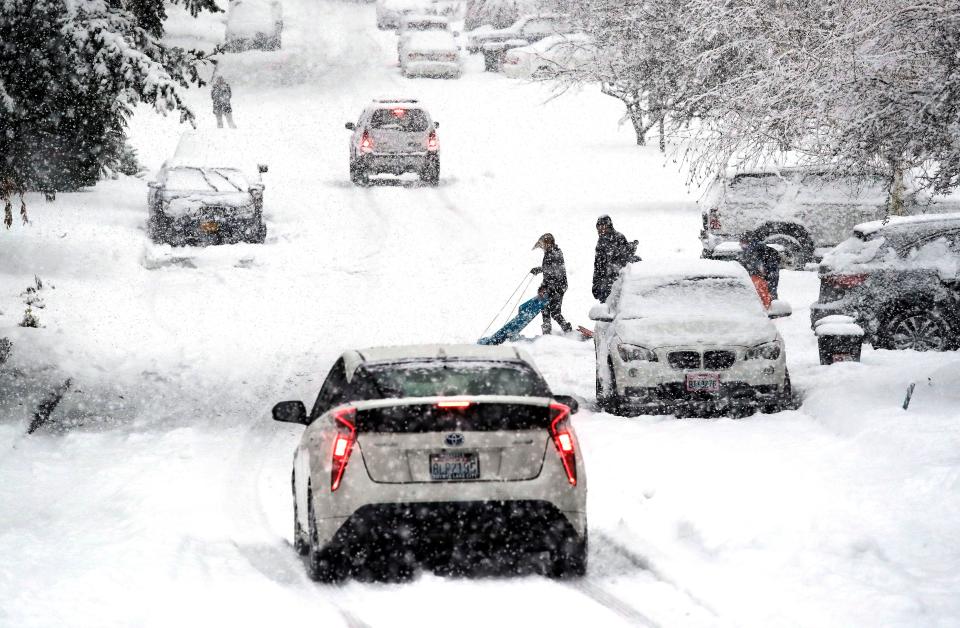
(900, 278)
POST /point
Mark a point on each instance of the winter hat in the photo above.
(544, 240)
(605, 220)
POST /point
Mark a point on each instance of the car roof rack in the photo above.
(393, 100)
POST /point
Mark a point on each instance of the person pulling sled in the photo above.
(554, 282)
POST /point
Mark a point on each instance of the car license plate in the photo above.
(210, 226)
(462, 465)
(703, 382)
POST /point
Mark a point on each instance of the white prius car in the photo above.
(688, 336)
(446, 456)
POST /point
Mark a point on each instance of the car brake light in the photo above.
(433, 144)
(563, 439)
(845, 281)
(714, 218)
(366, 144)
(398, 113)
(342, 444)
(455, 404)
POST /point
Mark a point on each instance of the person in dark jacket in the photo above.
(612, 254)
(761, 260)
(221, 94)
(554, 280)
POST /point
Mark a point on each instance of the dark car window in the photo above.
(332, 393)
(399, 119)
(450, 378)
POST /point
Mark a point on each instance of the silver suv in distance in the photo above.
(394, 137)
(456, 458)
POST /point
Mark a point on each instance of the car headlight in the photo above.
(766, 351)
(635, 353)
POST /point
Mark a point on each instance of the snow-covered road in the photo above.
(158, 493)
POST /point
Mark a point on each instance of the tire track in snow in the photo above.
(612, 602)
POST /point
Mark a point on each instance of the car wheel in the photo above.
(322, 565)
(431, 172)
(794, 255)
(920, 328)
(299, 538)
(569, 560)
(614, 401)
(359, 175)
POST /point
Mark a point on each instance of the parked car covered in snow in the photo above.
(549, 56)
(390, 12)
(394, 137)
(899, 279)
(207, 193)
(412, 24)
(687, 337)
(800, 211)
(254, 25)
(442, 455)
(433, 54)
(527, 29)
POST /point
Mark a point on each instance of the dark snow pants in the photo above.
(552, 310)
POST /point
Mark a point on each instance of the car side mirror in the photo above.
(153, 184)
(350, 126)
(779, 309)
(436, 124)
(601, 313)
(261, 168)
(568, 401)
(290, 412)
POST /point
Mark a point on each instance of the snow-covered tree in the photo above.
(70, 71)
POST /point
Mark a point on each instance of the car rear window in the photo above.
(451, 378)
(400, 119)
(481, 417)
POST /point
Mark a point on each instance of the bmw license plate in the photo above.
(461, 465)
(703, 382)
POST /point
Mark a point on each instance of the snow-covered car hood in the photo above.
(706, 330)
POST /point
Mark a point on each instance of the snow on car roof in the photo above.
(249, 17)
(869, 228)
(432, 40)
(665, 271)
(391, 354)
(423, 17)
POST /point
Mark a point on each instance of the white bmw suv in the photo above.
(688, 336)
(444, 456)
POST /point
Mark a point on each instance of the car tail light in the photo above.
(366, 144)
(398, 113)
(433, 144)
(342, 444)
(713, 217)
(454, 404)
(563, 439)
(845, 281)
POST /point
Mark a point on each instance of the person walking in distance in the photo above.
(612, 254)
(221, 94)
(762, 262)
(554, 281)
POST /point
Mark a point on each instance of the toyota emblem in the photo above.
(454, 440)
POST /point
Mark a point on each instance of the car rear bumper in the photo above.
(395, 163)
(205, 230)
(433, 69)
(465, 534)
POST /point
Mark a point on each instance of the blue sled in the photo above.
(511, 331)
